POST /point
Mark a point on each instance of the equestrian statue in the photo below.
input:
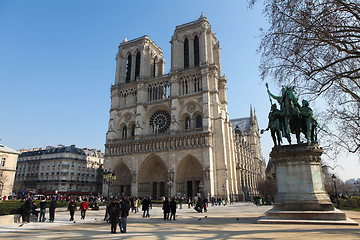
(291, 118)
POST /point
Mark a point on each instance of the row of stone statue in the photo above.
(291, 118)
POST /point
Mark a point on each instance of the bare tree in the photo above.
(267, 188)
(315, 46)
(18, 186)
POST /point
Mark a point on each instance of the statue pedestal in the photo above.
(301, 195)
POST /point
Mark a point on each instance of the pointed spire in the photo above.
(251, 112)
(252, 122)
(202, 16)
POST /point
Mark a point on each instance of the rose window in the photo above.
(160, 121)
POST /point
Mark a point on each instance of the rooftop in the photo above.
(5, 149)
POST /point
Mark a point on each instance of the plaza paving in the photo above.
(236, 221)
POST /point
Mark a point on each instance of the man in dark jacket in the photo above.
(145, 207)
(42, 210)
(166, 209)
(27, 209)
(125, 208)
(22, 212)
(72, 209)
(53, 205)
(34, 210)
(114, 212)
(172, 208)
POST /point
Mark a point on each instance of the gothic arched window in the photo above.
(198, 121)
(133, 130)
(128, 69)
(154, 67)
(196, 51)
(124, 132)
(137, 66)
(187, 123)
(186, 53)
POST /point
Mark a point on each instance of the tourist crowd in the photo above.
(117, 208)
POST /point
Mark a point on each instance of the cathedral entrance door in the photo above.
(153, 171)
(154, 192)
(162, 189)
(189, 189)
(123, 179)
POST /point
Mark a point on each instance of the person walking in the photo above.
(34, 210)
(132, 205)
(125, 208)
(107, 211)
(180, 202)
(72, 209)
(166, 209)
(83, 208)
(53, 205)
(27, 209)
(22, 212)
(138, 204)
(172, 208)
(114, 212)
(42, 210)
(145, 207)
(149, 206)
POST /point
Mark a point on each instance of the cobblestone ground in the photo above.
(236, 221)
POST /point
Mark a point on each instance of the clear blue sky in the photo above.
(57, 62)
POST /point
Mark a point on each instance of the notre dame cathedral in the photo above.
(170, 134)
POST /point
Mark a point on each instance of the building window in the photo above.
(198, 121)
(186, 53)
(3, 162)
(196, 51)
(132, 131)
(137, 66)
(154, 67)
(187, 123)
(124, 132)
(160, 121)
(128, 69)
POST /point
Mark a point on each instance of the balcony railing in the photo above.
(180, 140)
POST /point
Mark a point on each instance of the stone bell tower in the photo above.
(138, 58)
(194, 45)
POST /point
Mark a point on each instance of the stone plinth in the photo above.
(301, 195)
(300, 184)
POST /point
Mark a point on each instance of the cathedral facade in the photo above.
(170, 134)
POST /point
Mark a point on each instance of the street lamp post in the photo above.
(336, 192)
(170, 183)
(201, 188)
(109, 177)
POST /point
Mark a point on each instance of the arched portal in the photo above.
(152, 177)
(122, 184)
(189, 175)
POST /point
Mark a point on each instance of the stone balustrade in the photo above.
(197, 139)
